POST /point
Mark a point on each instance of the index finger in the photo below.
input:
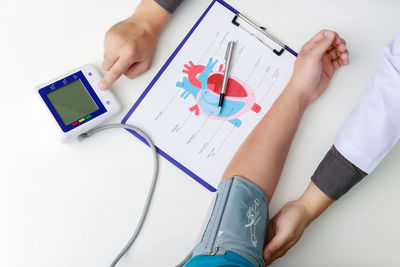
(115, 72)
(316, 38)
(281, 252)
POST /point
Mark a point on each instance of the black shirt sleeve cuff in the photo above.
(169, 5)
(336, 175)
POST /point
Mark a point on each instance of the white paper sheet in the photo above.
(180, 111)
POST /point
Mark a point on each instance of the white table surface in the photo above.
(77, 204)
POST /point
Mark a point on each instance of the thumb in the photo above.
(276, 243)
(322, 45)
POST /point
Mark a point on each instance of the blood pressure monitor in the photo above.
(75, 103)
(77, 107)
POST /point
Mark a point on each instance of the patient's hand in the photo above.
(316, 63)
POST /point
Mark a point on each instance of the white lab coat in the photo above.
(373, 127)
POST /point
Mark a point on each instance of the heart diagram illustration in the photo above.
(205, 86)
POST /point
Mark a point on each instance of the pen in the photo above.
(228, 57)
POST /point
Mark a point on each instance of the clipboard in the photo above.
(238, 20)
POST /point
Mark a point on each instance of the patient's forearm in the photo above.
(262, 155)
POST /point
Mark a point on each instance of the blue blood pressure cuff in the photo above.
(238, 223)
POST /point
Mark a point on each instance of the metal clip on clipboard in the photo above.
(261, 29)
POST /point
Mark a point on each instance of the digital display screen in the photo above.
(72, 102)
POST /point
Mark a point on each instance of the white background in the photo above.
(77, 204)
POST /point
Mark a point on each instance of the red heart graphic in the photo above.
(233, 88)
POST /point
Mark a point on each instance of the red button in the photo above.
(75, 123)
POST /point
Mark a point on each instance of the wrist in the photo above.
(297, 92)
(307, 211)
(314, 202)
(152, 16)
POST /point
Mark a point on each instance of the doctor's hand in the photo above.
(285, 229)
(129, 45)
(316, 63)
(288, 225)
